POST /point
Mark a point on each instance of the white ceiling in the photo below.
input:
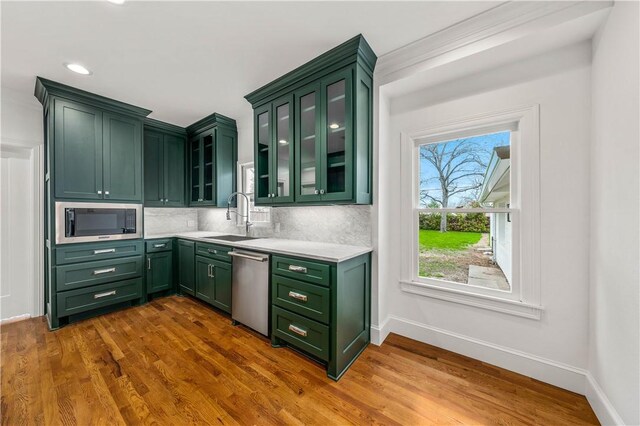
(185, 60)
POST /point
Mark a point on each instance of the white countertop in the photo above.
(321, 251)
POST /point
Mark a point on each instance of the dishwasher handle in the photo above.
(258, 257)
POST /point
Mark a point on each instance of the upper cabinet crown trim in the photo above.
(354, 50)
(152, 124)
(211, 121)
(46, 88)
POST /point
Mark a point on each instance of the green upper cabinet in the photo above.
(78, 150)
(213, 154)
(122, 157)
(313, 130)
(164, 164)
(274, 151)
(96, 145)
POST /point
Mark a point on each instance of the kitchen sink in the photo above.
(232, 238)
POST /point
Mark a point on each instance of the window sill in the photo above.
(511, 307)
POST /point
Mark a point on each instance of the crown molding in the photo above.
(46, 88)
(504, 23)
(210, 121)
(353, 50)
(153, 124)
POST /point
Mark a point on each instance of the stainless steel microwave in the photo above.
(78, 222)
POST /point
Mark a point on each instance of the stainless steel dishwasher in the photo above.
(250, 290)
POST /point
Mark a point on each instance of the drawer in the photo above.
(93, 273)
(303, 333)
(154, 246)
(316, 273)
(306, 299)
(98, 251)
(214, 251)
(86, 299)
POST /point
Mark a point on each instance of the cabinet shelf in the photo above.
(331, 166)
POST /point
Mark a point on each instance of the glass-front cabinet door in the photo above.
(202, 148)
(263, 163)
(337, 149)
(308, 146)
(282, 182)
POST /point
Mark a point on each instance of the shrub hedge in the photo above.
(461, 222)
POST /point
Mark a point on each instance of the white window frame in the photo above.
(524, 298)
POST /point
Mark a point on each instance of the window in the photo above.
(463, 207)
(259, 215)
(470, 201)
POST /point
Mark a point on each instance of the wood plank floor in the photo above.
(176, 362)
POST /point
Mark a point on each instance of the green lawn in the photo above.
(451, 240)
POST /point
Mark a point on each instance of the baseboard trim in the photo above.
(379, 332)
(606, 413)
(543, 369)
(15, 319)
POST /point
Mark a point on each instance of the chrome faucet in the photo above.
(248, 222)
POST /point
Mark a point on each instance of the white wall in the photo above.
(552, 349)
(20, 201)
(614, 326)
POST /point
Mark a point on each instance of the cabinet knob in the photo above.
(99, 192)
(268, 195)
(317, 192)
(322, 191)
(106, 192)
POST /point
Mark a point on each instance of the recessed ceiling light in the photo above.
(334, 126)
(77, 68)
(282, 142)
(116, 1)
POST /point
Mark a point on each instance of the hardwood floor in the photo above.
(174, 362)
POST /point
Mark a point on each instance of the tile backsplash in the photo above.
(331, 224)
(168, 220)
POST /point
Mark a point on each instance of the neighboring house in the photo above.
(496, 192)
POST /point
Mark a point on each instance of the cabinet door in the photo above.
(195, 165)
(337, 148)
(173, 166)
(221, 275)
(225, 167)
(308, 147)
(122, 157)
(77, 151)
(263, 159)
(186, 265)
(159, 271)
(208, 167)
(282, 146)
(153, 169)
(204, 280)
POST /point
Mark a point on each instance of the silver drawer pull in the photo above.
(160, 245)
(296, 268)
(298, 296)
(103, 251)
(300, 331)
(103, 271)
(105, 294)
(212, 251)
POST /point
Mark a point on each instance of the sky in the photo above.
(482, 146)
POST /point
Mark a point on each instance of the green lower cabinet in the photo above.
(186, 264)
(213, 282)
(322, 308)
(159, 271)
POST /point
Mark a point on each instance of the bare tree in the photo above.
(459, 169)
